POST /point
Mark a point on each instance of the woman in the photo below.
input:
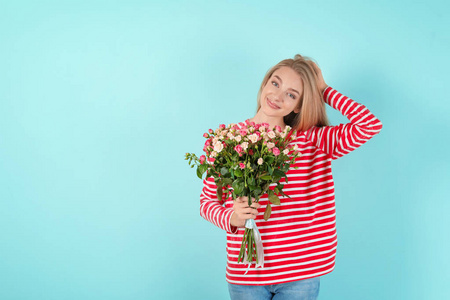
(300, 237)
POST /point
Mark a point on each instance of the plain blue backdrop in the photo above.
(100, 100)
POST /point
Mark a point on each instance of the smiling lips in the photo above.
(272, 105)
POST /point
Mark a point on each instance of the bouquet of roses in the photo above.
(245, 159)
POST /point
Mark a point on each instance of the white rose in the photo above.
(213, 154)
(296, 147)
(260, 161)
(244, 145)
(286, 151)
(283, 134)
(262, 129)
(238, 138)
(218, 147)
(253, 138)
(271, 134)
(270, 145)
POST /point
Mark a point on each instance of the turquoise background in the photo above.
(100, 100)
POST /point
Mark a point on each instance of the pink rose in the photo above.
(241, 165)
(276, 151)
(265, 125)
(205, 135)
(252, 123)
(278, 128)
(211, 131)
(238, 148)
(211, 159)
(243, 132)
(222, 126)
(202, 159)
(257, 126)
(250, 152)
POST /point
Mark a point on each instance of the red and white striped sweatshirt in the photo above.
(300, 237)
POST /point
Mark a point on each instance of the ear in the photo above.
(296, 110)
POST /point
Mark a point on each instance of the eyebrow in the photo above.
(282, 82)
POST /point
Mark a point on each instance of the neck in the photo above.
(272, 121)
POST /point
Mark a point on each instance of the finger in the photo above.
(240, 199)
(249, 210)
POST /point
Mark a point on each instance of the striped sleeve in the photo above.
(212, 210)
(339, 140)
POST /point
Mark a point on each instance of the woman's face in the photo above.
(281, 95)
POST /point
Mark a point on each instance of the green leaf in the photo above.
(266, 177)
(270, 170)
(274, 198)
(219, 192)
(199, 173)
(267, 212)
(226, 181)
(269, 159)
(203, 168)
(238, 186)
(282, 193)
(278, 173)
(224, 171)
(238, 173)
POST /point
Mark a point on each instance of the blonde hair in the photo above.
(311, 106)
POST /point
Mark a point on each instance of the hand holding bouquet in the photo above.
(245, 159)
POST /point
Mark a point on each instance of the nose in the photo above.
(278, 96)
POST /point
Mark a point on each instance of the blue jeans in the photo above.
(307, 289)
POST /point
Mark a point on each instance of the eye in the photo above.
(275, 83)
(292, 96)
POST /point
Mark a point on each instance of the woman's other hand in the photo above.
(243, 212)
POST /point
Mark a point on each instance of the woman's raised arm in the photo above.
(339, 140)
